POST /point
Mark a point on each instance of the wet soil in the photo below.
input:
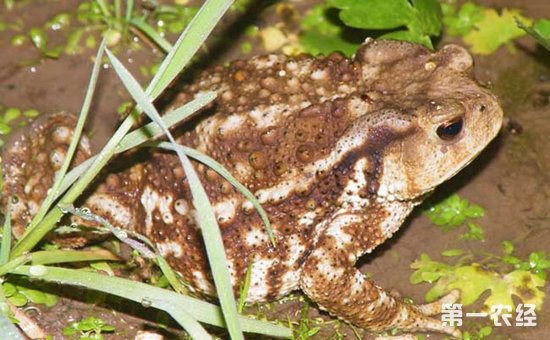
(511, 179)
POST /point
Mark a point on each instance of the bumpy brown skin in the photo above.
(337, 150)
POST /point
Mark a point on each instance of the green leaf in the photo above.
(473, 281)
(11, 114)
(187, 44)
(462, 22)
(495, 30)
(508, 247)
(474, 233)
(374, 14)
(421, 18)
(38, 297)
(427, 270)
(453, 252)
(323, 34)
(18, 299)
(452, 212)
(38, 38)
(171, 276)
(66, 256)
(9, 289)
(408, 36)
(6, 236)
(474, 211)
(243, 291)
(427, 17)
(540, 31)
(150, 32)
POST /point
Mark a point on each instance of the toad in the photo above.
(337, 150)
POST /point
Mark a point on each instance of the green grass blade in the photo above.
(192, 326)
(153, 130)
(129, 10)
(143, 293)
(197, 30)
(171, 276)
(151, 33)
(67, 256)
(205, 215)
(6, 236)
(228, 176)
(188, 43)
(8, 329)
(243, 292)
(104, 7)
(12, 264)
(77, 133)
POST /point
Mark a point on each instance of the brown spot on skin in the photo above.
(239, 76)
(245, 145)
(269, 137)
(304, 153)
(38, 191)
(280, 168)
(112, 181)
(225, 187)
(41, 157)
(269, 83)
(258, 160)
(311, 204)
(178, 172)
(211, 175)
(300, 135)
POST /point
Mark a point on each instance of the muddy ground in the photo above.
(511, 179)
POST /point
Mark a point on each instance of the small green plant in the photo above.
(323, 33)
(415, 21)
(11, 117)
(90, 328)
(114, 20)
(452, 212)
(20, 295)
(537, 262)
(482, 28)
(325, 27)
(306, 328)
(524, 279)
(474, 233)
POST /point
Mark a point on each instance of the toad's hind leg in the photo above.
(330, 279)
(30, 159)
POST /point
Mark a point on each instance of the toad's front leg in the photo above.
(330, 279)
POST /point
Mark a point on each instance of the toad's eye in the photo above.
(450, 129)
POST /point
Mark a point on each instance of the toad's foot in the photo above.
(330, 279)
